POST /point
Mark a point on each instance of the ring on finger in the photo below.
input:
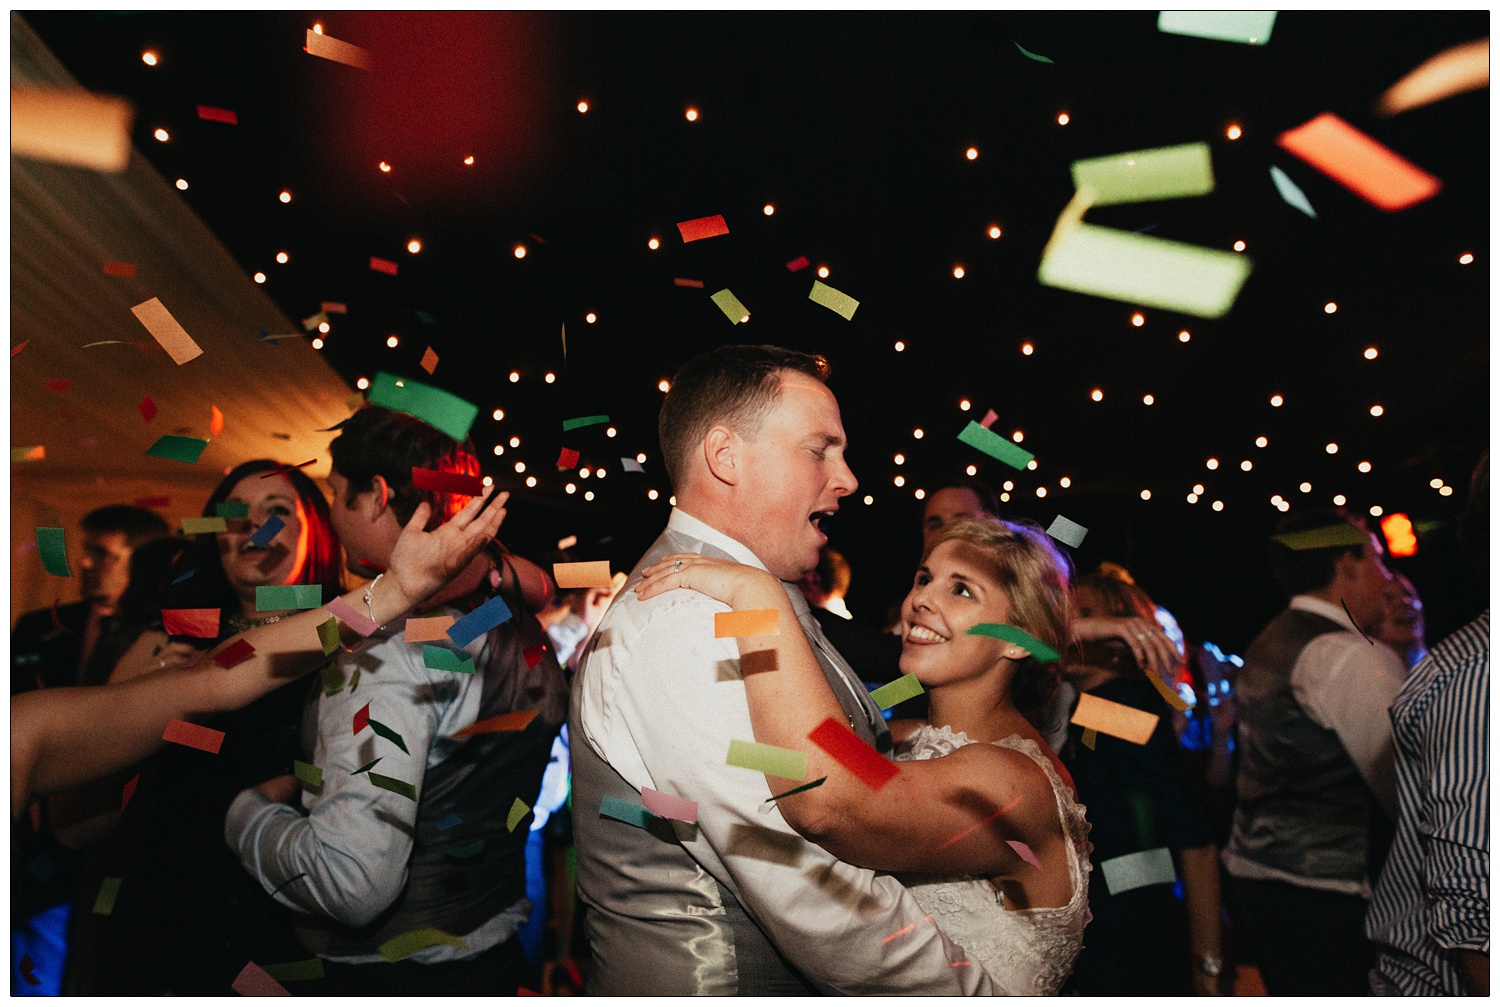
(677, 566)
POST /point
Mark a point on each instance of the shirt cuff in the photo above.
(243, 811)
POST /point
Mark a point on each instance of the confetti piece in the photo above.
(668, 806)
(22, 345)
(215, 421)
(1324, 538)
(583, 421)
(281, 469)
(1031, 55)
(1365, 167)
(567, 458)
(768, 759)
(1250, 26)
(799, 263)
(834, 300)
(594, 573)
(54, 551)
(703, 227)
(899, 691)
(387, 733)
(330, 48)
(694, 284)
(752, 622)
(1143, 175)
(797, 790)
(179, 449)
(205, 739)
(1024, 852)
(167, 331)
(478, 622)
(231, 509)
(1090, 738)
(1114, 719)
(361, 718)
(904, 930)
(567, 543)
(519, 810)
(409, 944)
(1137, 870)
(125, 270)
(71, 126)
(59, 385)
(197, 622)
(1011, 634)
(995, 446)
(429, 361)
(433, 406)
(731, 306)
(1168, 693)
(443, 659)
(383, 265)
(422, 630)
(1290, 193)
(35, 453)
(447, 482)
(129, 790)
(307, 773)
(218, 115)
(1069, 533)
(631, 465)
(516, 721)
(1140, 269)
(233, 654)
(104, 904)
(367, 766)
(395, 786)
(328, 637)
(853, 754)
(57, 623)
(334, 308)
(1453, 71)
(425, 318)
(284, 596)
(361, 624)
(625, 811)
(533, 655)
(448, 821)
(311, 968)
(465, 851)
(204, 525)
(313, 321)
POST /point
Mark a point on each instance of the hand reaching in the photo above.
(1152, 649)
(422, 562)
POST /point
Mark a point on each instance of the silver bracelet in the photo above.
(370, 599)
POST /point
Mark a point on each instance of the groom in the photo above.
(737, 903)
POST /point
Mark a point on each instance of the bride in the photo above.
(980, 819)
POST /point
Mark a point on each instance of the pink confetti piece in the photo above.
(254, 981)
(1024, 852)
(990, 416)
(361, 624)
(218, 115)
(668, 806)
(800, 262)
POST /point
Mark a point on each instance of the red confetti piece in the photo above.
(121, 269)
(204, 739)
(979, 825)
(233, 654)
(57, 385)
(382, 265)
(129, 791)
(567, 458)
(447, 482)
(800, 262)
(533, 655)
(906, 929)
(429, 361)
(254, 981)
(56, 622)
(197, 622)
(18, 349)
(990, 417)
(703, 227)
(218, 115)
(504, 722)
(280, 469)
(149, 502)
(362, 718)
(334, 308)
(148, 409)
(695, 284)
(853, 754)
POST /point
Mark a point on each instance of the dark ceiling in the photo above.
(855, 128)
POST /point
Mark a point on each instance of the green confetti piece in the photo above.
(519, 810)
(995, 446)
(1140, 269)
(1428, 527)
(1019, 637)
(104, 905)
(401, 787)
(178, 449)
(105, 342)
(1323, 538)
(1031, 55)
(312, 968)
(1250, 26)
(1291, 192)
(425, 318)
(433, 406)
(625, 811)
(409, 944)
(1143, 175)
(443, 659)
(768, 759)
(797, 790)
(284, 596)
(203, 525)
(584, 421)
(1069, 533)
(465, 851)
(354, 680)
(307, 773)
(899, 691)
(328, 636)
(333, 680)
(731, 306)
(231, 508)
(388, 734)
(834, 300)
(366, 767)
(50, 542)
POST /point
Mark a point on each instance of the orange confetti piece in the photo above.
(167, 331)
(750, 622)
(703, 227)
(422, 630)
(215, 421)
(1359, 163)
(590, 574)
(505, 722)
(70, 126)
(121, 269)
(340, 52)
(429, 361)
(1114, 719)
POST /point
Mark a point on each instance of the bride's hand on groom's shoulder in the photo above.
(735, 584)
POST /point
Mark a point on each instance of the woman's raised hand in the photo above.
(735, 584)
(422, 562)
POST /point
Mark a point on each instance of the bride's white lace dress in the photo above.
(1028, 952)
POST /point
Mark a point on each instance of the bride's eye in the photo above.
(962, 590)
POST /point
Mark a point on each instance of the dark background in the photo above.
(855, 127)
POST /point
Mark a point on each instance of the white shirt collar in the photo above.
(1328, 610)
(682, 521)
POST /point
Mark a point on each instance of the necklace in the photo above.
(240, 624)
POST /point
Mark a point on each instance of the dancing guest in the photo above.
(1404, 628)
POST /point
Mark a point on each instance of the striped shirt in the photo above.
(1434, 894)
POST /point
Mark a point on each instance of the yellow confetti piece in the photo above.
(410, 943)
(1090, 736)
(834, 300)
(519, 810)
(731, 306)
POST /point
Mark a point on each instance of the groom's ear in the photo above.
(722, 453)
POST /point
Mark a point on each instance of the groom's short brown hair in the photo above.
(732, 385)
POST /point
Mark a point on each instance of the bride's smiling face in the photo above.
(953, 591)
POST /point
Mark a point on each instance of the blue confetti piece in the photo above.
(448, 821)
(267, 532)
(483, 619)
(625, 811)
(185, 576)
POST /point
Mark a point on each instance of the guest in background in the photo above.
(1405, 627)
(947, 504)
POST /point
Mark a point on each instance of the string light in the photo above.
(392, 341)
(1097, 395)
(869, 500)
(584, 473)
(1198, 488)
(664, 385)
(469, 160)
(900, 346)
(1246, 465)
(1062, 118)
(1218, 505)
(994, 231)
(900, 459)
(520, 251)
(958, 272)
(1005, 498)
(414, 246)
(1184, 336)
(900, 480)
(515, 376)
(362, 384)
(589, 495)
(1446, 491)
(1276, 401)
(651, 494)
(1436, 484)
(282, 257)
(323, 327)
(317, 343)
(531, 480)
(920, 494)
(964, 404)
(384, 166)
(1331, 448)
(1364, 466)
(972, 470)
(1027, 349)
(768, 209)
(162, 135)
(570, 488)
(1377, 410)
(285, 196)
(1018, 436)
(498, 414)
(1239, 246)
(489, 481)
(917, 433)
(1137, 319)
(1376, 510)
(583, 106)
(1305, 487)
(1008, 486)
(1145, 494)
(1466, 258)
(823, 272)
(260, 277)
(1212, 463)
(1041, 491)
(1339, 500)
(591, 318)
(653, 244)
(1371, 353)
(499, 450)
(972, 153)
(1261, 442)
(1031, 465)
(1065, 482)
(1330, 308)
(1234, 133)
(691, 114)
(520, 467)
(1192, 498)
(549, 377)
(515, 442)
(149, 58)
(318, 29)
(641, 457)
(182, 184)
(1148, 399)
